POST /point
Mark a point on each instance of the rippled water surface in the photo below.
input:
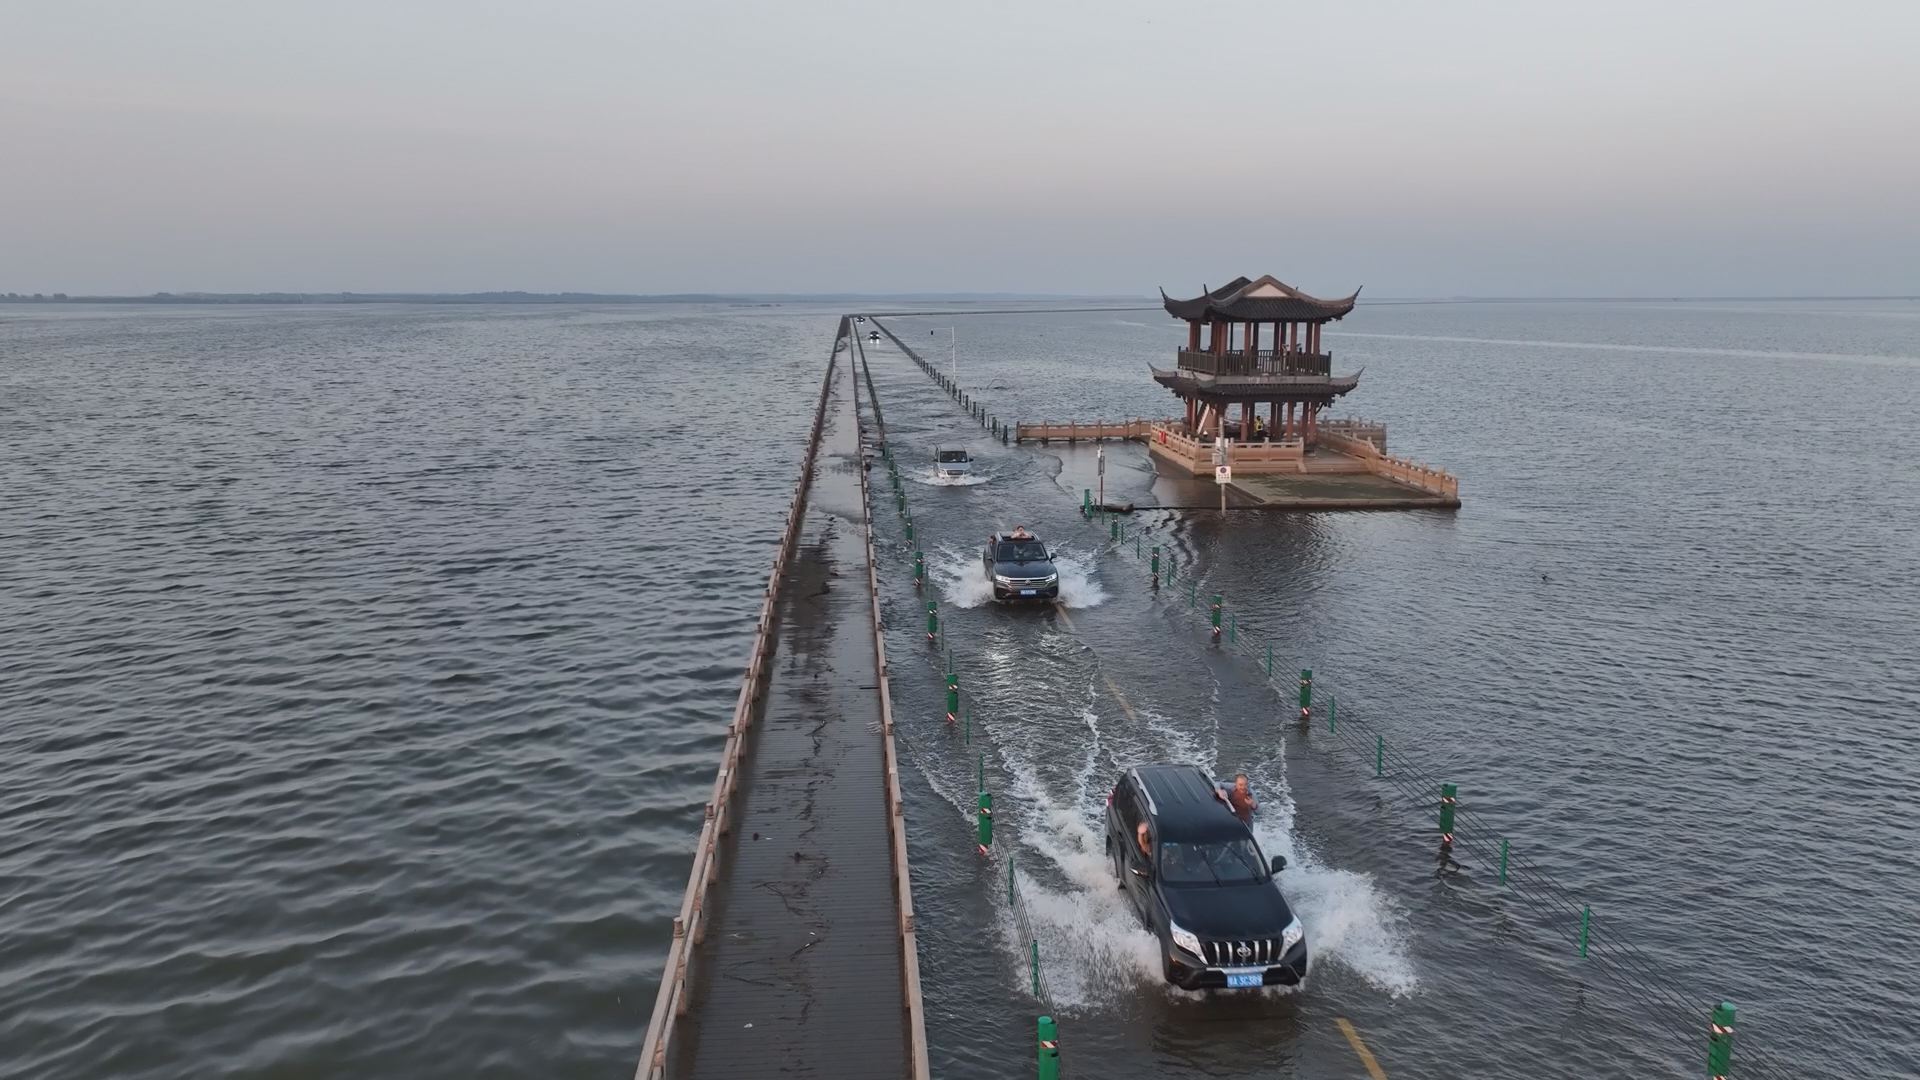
(364, 668)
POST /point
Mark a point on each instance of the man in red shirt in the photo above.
(1240, 799)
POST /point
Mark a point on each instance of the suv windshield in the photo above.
(1023, 551)
(1209, 862)
(953, 455)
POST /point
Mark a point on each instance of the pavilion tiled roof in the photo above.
(1266, 299)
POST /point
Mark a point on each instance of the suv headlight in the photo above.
(1184, 939)
(1002, 579)
(1053, 578)
(1291, 935)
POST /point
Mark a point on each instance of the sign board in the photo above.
(1100, 455)
(1223, 474)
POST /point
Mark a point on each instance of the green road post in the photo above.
(1156, 566)
(1379, 753)
(919, 568)
(1306, 695)
(1269, 659)
(1049, 1068)
(1113, 529)
(1449, 796)
(1033, 964)
(986, 822)
(1586, 920)
(1086, 501)
(933, 621)
(1503, 862)
(1214, 615)
(953, 696)
(1719, 1041)
(1333, 717)
(1010, 880)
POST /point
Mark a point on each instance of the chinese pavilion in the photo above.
(1254, 343)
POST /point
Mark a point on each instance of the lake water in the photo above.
(365, 668)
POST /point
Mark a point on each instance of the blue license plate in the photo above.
(1234, 982)
(1029, 592)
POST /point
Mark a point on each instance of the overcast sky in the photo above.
(1082, 146)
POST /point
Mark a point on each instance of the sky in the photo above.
(1049, 146)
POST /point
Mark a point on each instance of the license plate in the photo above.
(1029, 592)
(1253, 978)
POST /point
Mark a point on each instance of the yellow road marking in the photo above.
(1366, 1056)
(1104, 677)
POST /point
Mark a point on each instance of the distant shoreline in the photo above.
(777, 299)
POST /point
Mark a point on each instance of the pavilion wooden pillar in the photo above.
(1193, 337)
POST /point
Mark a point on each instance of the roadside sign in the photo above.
(1100, 455)
(1223, 474)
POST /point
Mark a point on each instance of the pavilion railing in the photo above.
(1264, 362)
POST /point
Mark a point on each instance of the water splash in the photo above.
(962, 578)
(1349, 920)
(1093, 945)
(932, 478)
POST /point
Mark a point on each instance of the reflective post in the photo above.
(1379, 752)
(1503, 862)
(953, 696)
(1156, 566)
(1719, 1041)
(1214, 617)
(986, 821)
(919, 568)
(933, 621)
(1306, 695)
(1049, 1050)
(1448, 797)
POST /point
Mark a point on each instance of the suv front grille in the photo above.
(1027, 582)
(1245, 953)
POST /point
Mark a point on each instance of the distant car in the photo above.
(1020, 567)
(873, 335)
(1204, 890)
(951, 463)
(859, 318)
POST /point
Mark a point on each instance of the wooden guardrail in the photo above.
(896, 807)
(1074, 431)
(1411, 473)
(689, 926)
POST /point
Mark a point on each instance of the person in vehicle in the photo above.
(1239, 799)
(1143, 842)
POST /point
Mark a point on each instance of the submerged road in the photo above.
(1416, 974)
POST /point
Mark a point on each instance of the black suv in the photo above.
(1020, 567)
(1202, 887)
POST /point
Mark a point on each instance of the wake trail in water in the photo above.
(1605, 346)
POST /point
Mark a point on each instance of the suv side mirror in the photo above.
(1279, 863)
